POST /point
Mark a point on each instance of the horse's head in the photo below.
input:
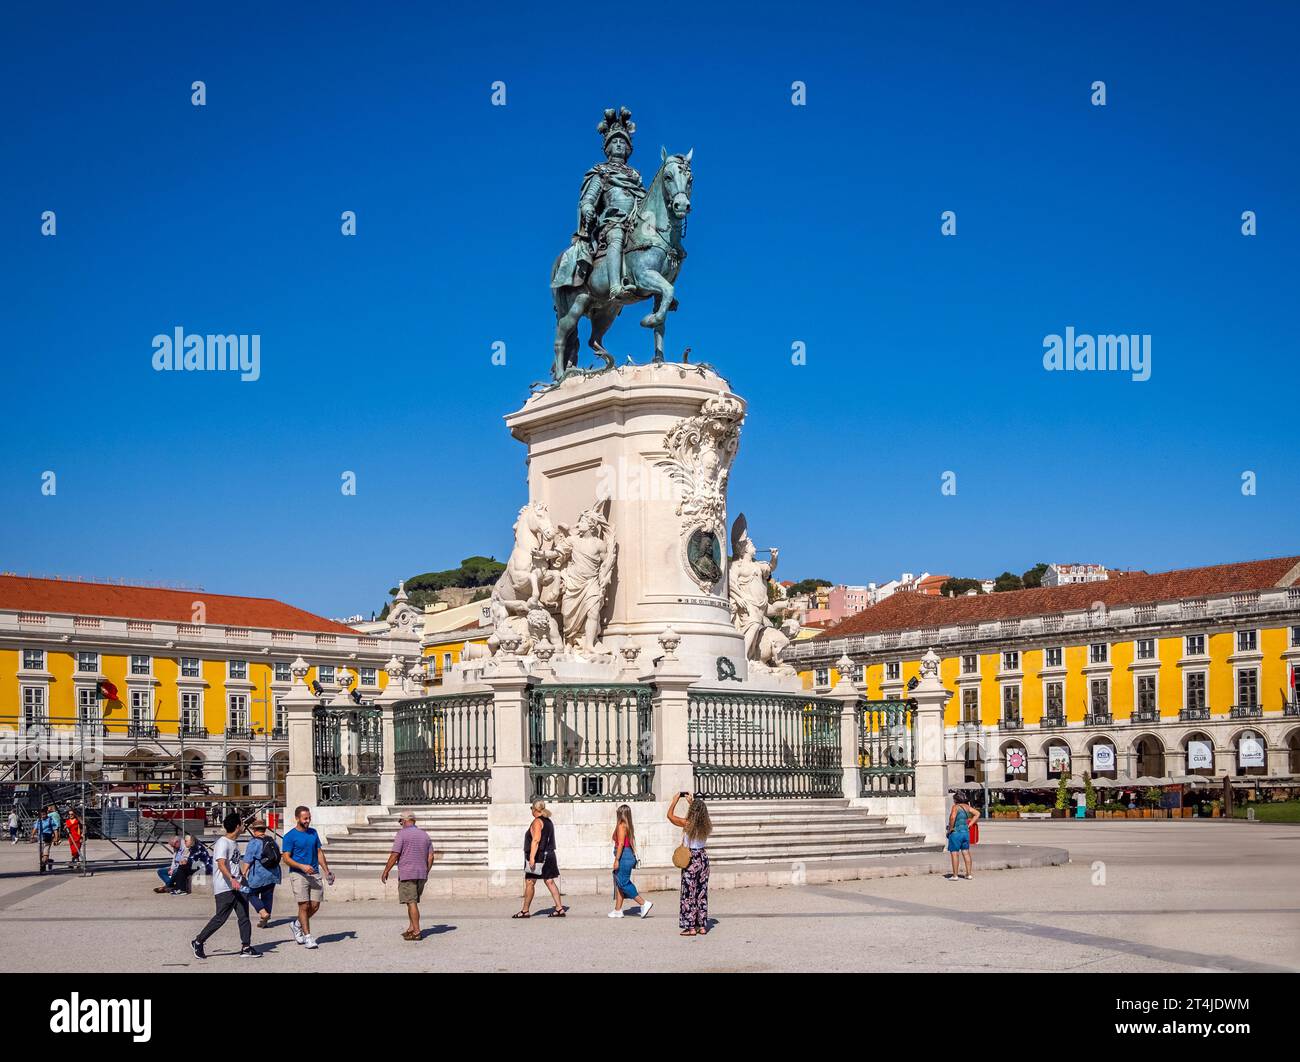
(535, 523)
(677, 182)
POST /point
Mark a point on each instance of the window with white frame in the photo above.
(281, 720)
(822, 676)
(189, 667)
(237, 712)
(282, 672)
(1195, 645)
(191, 711)
(1099, 696)
(87, 705)
(970, 664)
(1196, 697)
(87, 662)
(141, 708)
(446, 661)
(368, 676)
(1099, 653)
(970, 705)
(893, 671)
(1146, 693)
(1054, 696)
(1053, 656)
(1146, 648)
(33, 705)
(1011, 660)
(141, 665)
(859, 673)
(1295, 637)
(237, 669)
(1011, 703)
(325, 674)
(33, 659)
(1248, 687)
(1247, 641)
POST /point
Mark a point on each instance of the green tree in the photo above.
(807, 586)
(1033, 577)
(958, 587)
(1007, 581)
(1063, 791)
(1089, 793)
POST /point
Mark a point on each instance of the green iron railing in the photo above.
(764, 746)
(591, 741)
(886, 748)
(443, 749)
(347, 753)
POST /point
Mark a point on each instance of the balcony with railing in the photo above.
(1053, 720)
(1246, 711)
(1291, 708)
(1097, 718)
(193, 729)
(140, 729)
(1011, 722)
(1145, 715)
(1195, 715)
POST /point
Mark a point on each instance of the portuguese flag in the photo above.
(109, 692)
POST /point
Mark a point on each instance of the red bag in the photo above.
(974, 833)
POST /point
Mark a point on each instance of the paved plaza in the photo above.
(1169, 896)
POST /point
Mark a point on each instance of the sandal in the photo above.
(408, 935)
(558, 912)
(521, 914)
(687, 933)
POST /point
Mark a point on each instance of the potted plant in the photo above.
(1215, 808)
(1089, 795)
(1061, 810)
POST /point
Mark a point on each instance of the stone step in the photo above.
(780, 831)
(758, 821)
(728, 807)
(814, 849)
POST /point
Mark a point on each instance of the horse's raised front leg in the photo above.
(601, 319)
(650, 280)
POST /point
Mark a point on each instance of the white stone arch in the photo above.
(1290, 742)
(1148, 754)
(1102, 739)
(238, 773)
(1001, 768)
(1056, 741)
(1233, 746)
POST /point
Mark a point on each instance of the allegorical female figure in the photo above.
(587, 573)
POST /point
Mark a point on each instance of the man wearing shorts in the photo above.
(413, 856)
(302, 854)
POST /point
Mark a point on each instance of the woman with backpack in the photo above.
(625, 860)
(261, 871)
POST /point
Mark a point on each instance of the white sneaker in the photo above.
(298, 936)
(645, 911)
(616, 914)
(309, 942)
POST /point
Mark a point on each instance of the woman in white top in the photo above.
(695, 827)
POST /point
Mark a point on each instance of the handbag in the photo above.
(974, 833)
(681, 857)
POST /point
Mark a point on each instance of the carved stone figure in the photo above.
(628, 246)
(586, 572)
(700, 452)
(527, 578)
(753, 608)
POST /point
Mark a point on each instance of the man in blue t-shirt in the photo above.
(301, 852)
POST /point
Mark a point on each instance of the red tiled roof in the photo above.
(908, 611)
(65, 597)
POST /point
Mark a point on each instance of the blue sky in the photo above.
(818, 224)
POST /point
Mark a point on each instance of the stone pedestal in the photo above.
(300, 780)
(605, 435)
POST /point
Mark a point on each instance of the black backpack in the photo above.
(270, 857)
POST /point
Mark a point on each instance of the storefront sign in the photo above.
(1103, 757)
(1017, 761)
(1250, 752)
(1058, 759)
(1200, 755)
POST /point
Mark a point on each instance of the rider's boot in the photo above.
(614, 256)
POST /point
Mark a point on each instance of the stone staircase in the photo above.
(459, 833)
(781, 831)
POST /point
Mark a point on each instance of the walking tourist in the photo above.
(625, 861)
(72, 826)
(303, 855)
(694, 862)
(540, 863)
(961, 817)
(412, 854)
(228, 892)
(46, 834)
(261, 871)
(13, 825)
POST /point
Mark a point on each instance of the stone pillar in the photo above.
(672, 678)
(510, 684)
(931, 765)
(847, 694)
(300, 781)
(384, 702)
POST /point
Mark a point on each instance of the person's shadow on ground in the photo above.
(334, 938)
(436, 931)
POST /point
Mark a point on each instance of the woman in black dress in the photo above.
(539, 860)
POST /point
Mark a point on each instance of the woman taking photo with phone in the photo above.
(625, 859)
(694, 863)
